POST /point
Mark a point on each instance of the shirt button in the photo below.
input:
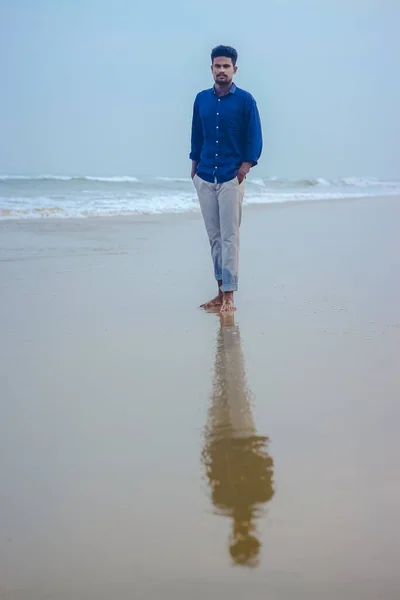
(217, 114)
(217, 127)
(216, 155)
(219, 99)
(217, 141)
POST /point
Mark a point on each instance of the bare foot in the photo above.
(217, 301)
(228, 304)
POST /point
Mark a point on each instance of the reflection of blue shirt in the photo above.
(226, 131)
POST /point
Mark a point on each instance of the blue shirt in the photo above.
(226, 131)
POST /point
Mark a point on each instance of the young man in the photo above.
(226, 142)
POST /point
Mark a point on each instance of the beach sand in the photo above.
(149, 450)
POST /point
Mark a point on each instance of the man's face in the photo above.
(223, 70)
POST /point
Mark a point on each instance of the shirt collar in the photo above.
(231, 91)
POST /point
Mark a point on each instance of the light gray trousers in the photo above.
(221, 207)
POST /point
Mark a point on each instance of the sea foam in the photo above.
(49, 196)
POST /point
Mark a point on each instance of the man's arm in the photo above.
(196, 138)
(253, 139)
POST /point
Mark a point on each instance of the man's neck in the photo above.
(222, 90)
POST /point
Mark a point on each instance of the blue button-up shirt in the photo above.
(226, 131)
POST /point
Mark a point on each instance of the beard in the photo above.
(223, 79)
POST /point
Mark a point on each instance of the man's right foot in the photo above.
(217, 301)
(228, 305)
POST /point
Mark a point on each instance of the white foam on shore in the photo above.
(23, 197)
(174, 179)
(33, 208)
(123, 179)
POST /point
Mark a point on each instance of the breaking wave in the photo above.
(116, 179)
(53, 196)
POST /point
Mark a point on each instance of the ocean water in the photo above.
(52, 196)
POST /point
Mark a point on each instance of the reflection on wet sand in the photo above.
(238, 467)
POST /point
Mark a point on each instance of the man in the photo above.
(226, 142)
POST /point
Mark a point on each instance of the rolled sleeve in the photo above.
(197, 134)
(253, 136)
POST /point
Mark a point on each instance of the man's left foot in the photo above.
(217, 301)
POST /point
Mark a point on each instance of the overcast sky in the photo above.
(106, 87)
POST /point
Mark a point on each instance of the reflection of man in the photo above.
(238, 468)
(226, 142)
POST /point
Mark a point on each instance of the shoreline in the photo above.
(195, 214)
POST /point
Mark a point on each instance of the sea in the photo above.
(54, 196)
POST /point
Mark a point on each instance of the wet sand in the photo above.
(150, 450)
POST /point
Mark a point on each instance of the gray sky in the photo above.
(106, 87)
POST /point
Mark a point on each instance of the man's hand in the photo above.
(194, 168)
(243, 171)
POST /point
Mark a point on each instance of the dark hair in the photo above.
(227, 51)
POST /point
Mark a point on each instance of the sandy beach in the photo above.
(149, 450)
